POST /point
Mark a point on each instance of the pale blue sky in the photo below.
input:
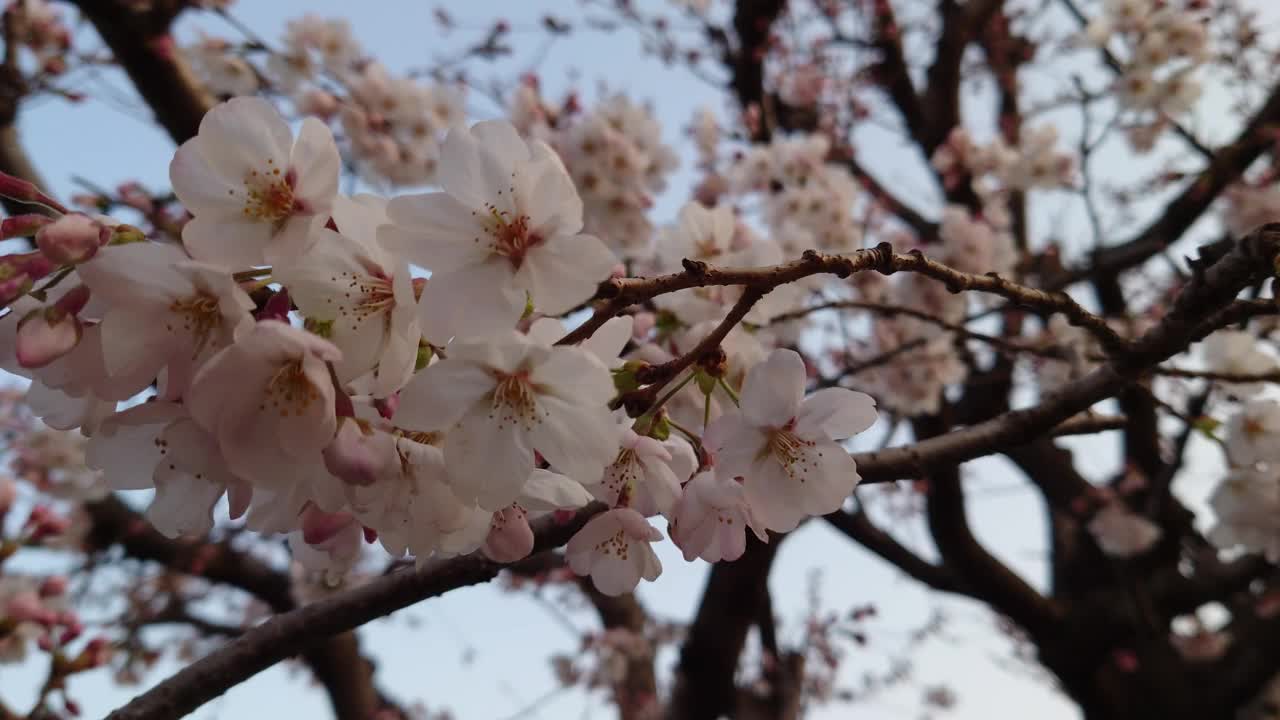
(480, 652)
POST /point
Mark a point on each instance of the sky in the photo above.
(482, 653)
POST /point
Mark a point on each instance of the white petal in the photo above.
(487, 459)
(316, 161)
(438, 396)
(838, 413)
(773, 389)
(545, 491)
(564, 271)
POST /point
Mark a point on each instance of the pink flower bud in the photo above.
(72, 239)
(53, 586)
(19, 271)
(319, 526)
(18, 189)
(26, 607)
(45, 335)
(355, 456)
(22, 225)
(387, 406)
(510, 537)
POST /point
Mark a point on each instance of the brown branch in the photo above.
(1226, 167)
(336, 661)
(859, 528)
(138, 36)
(285, 635)
(704, 687)
(892, 71)
(752, 23)
(620, 293)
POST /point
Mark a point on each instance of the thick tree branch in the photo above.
(731, 603)
(859, 528)
(336, 661)
(285, 635)
(138, 36)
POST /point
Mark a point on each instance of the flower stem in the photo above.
(733, 395)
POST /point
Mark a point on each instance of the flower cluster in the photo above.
(1165, 43)
(615, 155)
(393, 125)
(292, 366)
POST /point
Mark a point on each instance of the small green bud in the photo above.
(425, 353)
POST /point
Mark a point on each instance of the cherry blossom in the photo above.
(711, 518)
(258, 195)
(1122, 533)
(1252, 433)
(502, 398)
(163, 311)
(506, 230)
(268, 400)
(784, 445)
(157, 444)
(614, 548)
(646, 475)
(363, 302)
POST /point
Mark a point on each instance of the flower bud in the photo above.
(23, 225)
(18, 189)
(19, 271)
(72, 239)
(53, 586)
(355, 456)
(45, 335)
(319, 526)
(510, 537)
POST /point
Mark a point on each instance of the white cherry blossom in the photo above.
(163, 311)
(363, 298)
(156, 444)
(505, 396)
(645, 475)
(711, 518)
(1253, 433)
(268, 399)
(505, 229)
(614, 548)
(1122, 533)
(256, 194)
(784, 445)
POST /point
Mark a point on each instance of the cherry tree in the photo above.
(432, 346)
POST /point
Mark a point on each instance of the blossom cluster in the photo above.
(392, 125)
(285, 358)
(1165, 43)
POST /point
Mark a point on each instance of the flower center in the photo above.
(269, 194)
(289, 391)
(616, 545)
(367, 295)
(199, 317)
(514, 401)
(794, 452)
(511, 235)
